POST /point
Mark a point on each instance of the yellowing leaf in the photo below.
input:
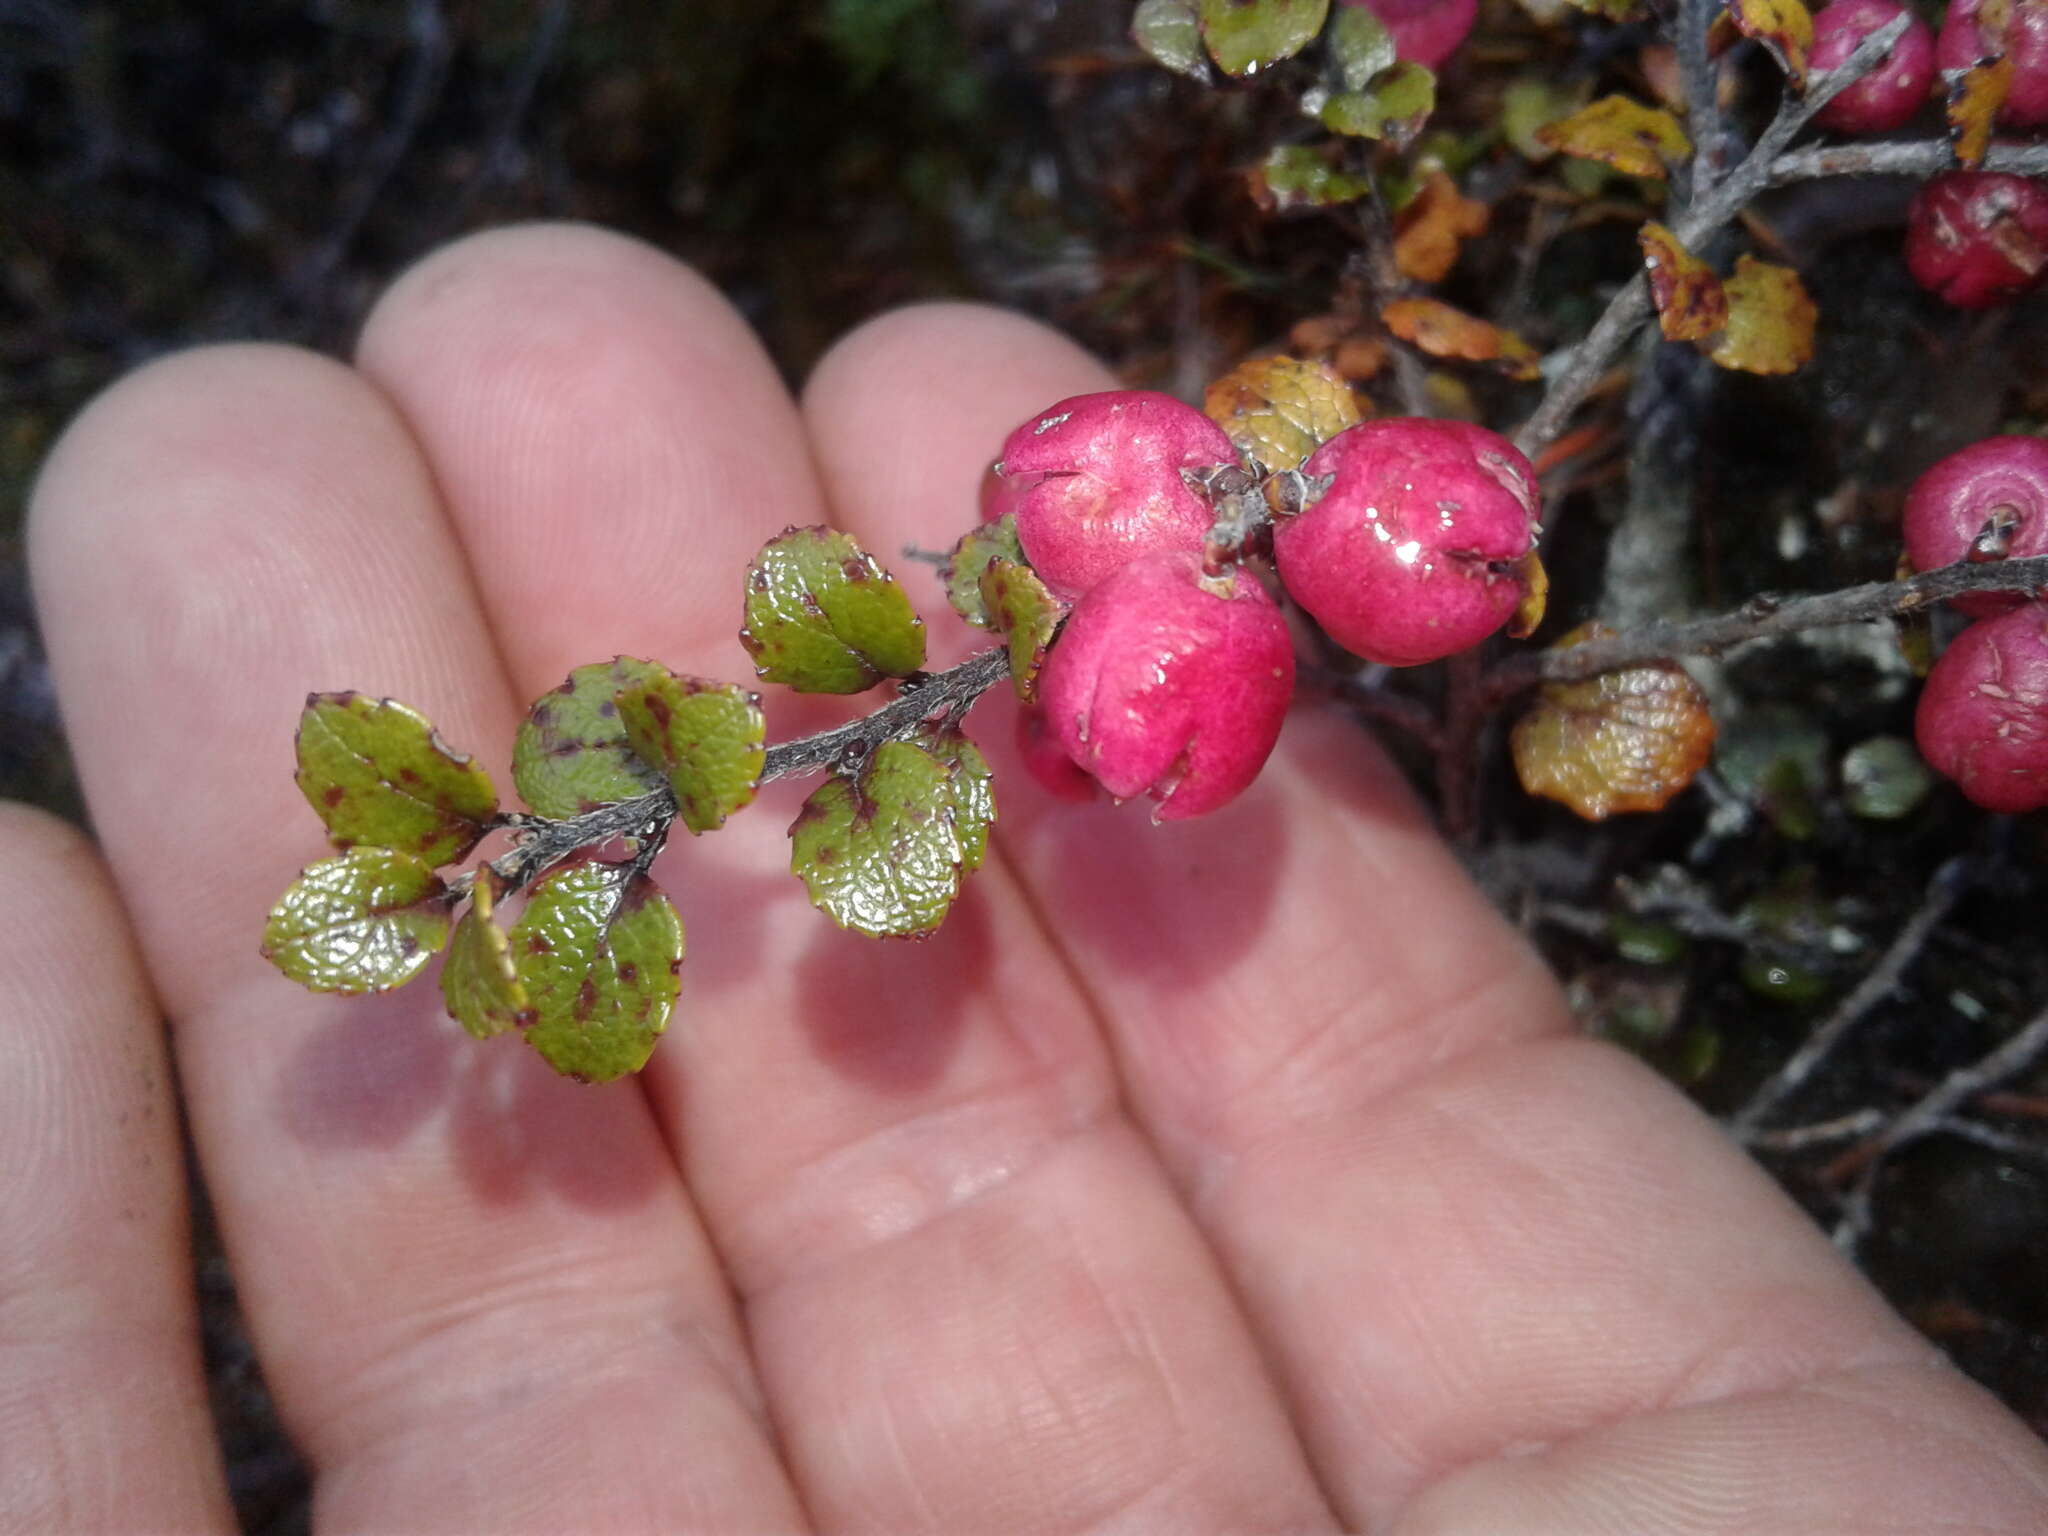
(598, 950)
(478, 982)
(1636, 140)
(364, 922)
(1784, 27)
(706, 738)
(1026, 612)
(1297, 176)
(1535, 601)
(1626, 740)
(824, 617)
(379, 774)
(1432, 227)
(1279, 410)
(1690, 303)
(1442, 331)
(880, 853)
(1770, 320)
(1246, 36)
(1974, 96)
(571, 754)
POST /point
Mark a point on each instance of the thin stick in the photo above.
(1926, 157)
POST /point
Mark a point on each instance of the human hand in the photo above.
(1241, 1174)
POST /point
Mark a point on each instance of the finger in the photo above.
(479, 1293)
(1305, 995)
(102, 1407)
(959, 1268)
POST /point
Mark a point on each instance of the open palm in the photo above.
(1243, 1174)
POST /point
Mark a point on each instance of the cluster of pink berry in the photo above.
(1983, 717)
(1170, 676)
(1974, 238)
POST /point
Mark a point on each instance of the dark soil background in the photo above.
(179, 171)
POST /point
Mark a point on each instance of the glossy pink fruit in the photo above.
(1047, 761)
(1099, 478)
(1978, 238)
(1425, 31)
(2005, 478)
(1983, 717)
(1169, 683)
(1891, 93)
(1967, 35)
(1410, 555)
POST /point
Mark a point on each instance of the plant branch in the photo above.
(1923, 157)
(1631, 305)
(1762, 618)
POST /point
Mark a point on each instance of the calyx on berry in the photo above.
(1986, 501)
(1891, 93)
(1978, 238)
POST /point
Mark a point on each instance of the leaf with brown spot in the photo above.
(824, 617)
(1636, 140)
(708, 740)
(1770, 320)
(1279, 410)
(1027, 613)
(1432, 227)
(971, 556)
(1394, 107)
(1974, 97)
(880, 853)
(1784, 27)
(1690, 303)
(378, 774)
(972, 787)
(478, 981)
(1627, 740)
(367, 921)
(598, 950)
(571, 754)
(1441, 331)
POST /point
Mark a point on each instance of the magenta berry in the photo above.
(1996, 489)
(1426, 32)
(1978, 238)
(1983, 717)
(1171, 683)
(1100, 482)
(1410, 554)
(1047, 761)
(1971, 32)
(1891, 93)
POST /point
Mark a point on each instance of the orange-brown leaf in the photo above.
(1634, 139)
(1770, 319)
(1535, 596)
(1442, 331)
(1974, 97)
(1627, 740)
(1432, 227)
(1281, 409)
(1690, 303)
(1785, 27)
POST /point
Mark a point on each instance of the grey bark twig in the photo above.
(1922, 157)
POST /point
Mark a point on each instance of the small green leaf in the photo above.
(364, 922)
(478, 982)
(1360, 47)
(706, 737)
(572, 754)
(1170, 31)
(1027, 613)
(971, 556)
(378, 773)
(598, 949)
(1297, 176)
(1884, 778)
(1246, 36)
(974, 793)
(1394, 107)
(823, 617)
(879, 854)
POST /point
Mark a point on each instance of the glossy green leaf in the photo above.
(1297, 176)
(971, 556)
(880, 854)
(707, 738)
(364, 922)
(1394, 107)
(974, 793)
(1360, 47)
(379, 774)
(598, 950)
(1027, 614)
(478, 982)
(1884, 778)
(1246, 36)
(1171, 32)
(823, 617)
(572, 754)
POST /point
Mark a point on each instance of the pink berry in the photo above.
(1983, 717)
(1410, 554)
(1171, 683)
(1967, 35)
(1978, 238)
(2002, 480)
(1426, 32)
(998, 495)
(1100, 482)
(1047, 761)
(1891, 93)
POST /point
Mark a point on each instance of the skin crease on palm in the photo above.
(1242, 1174)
